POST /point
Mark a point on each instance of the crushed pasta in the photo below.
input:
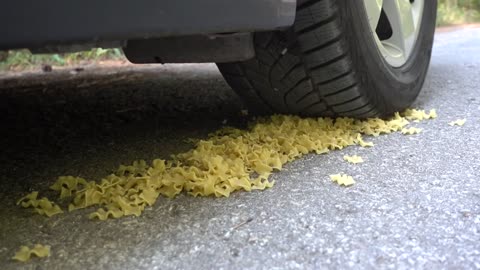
(418, 115)
(353, 159)
(342, 179)
(459, 122)
(229, 160)
(25, 253)
(411, 131)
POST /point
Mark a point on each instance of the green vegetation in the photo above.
(450, 12)
(23, 59)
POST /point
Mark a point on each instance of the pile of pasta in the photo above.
(229, 160)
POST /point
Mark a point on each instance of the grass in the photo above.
(16, 60)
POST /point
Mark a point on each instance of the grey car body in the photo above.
(62, 26)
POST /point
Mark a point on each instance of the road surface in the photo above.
(416, 203)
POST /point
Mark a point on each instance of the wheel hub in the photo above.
(395, 25)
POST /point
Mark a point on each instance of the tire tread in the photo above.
(312, 76)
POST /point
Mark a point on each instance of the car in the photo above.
(361, 58)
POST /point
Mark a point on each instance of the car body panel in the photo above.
(36, 24)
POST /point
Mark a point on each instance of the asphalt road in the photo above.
(416, 203)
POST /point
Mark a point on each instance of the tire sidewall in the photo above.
(396, 86)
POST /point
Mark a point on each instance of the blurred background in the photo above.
(450, 12)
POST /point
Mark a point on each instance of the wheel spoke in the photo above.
(401, 18)
(374, 9)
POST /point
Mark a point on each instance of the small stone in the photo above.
(46, 68)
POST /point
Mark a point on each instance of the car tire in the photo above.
(329, 63)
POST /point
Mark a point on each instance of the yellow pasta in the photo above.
(353, 159)
(25, 253)
(68, 184)
(361, 142)
(418, 115)
(342, 179)
(228, 160)
(459, 122)
(42, 206)
(411, 130)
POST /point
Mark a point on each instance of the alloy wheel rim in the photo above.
(395, 25)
